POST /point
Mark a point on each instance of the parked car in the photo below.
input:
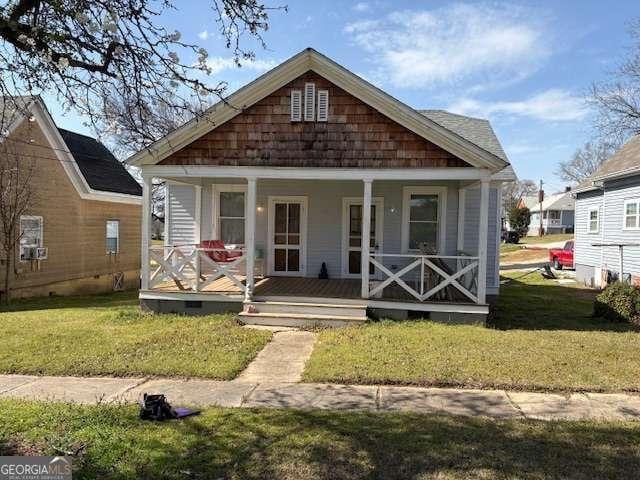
(562, 257)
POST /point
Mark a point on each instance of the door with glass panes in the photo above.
(287, 235)
(352, 234)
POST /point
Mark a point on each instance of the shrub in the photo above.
(619, 302)
(519, 219)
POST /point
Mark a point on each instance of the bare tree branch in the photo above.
(82, 51)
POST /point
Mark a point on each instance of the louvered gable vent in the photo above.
(323, 105)
(296, 105)
(309, 102)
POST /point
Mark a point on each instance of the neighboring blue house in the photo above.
(608, 220)
(557, 213)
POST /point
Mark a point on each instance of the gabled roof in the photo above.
(625, 162)
(476, 130)
(99, 167)
(92, 169)
(462, 146)
(560, 201)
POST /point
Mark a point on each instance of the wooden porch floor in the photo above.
(300, 287)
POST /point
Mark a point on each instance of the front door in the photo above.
(352, 234)
(287, 235)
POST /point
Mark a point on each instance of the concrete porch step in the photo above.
(306, 308)
(300, 319)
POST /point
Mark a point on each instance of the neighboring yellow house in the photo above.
(82, 234)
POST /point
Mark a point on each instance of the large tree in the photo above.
(512, 192)
(617, 100)
(87, 51)
(585, 161)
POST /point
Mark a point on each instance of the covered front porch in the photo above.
(257, 235)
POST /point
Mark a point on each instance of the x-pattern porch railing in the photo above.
(193, 268)
(429, 269)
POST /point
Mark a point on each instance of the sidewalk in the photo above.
(489, 403)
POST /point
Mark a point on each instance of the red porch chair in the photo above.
(218, 252)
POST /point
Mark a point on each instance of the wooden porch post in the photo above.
(482, 240)
(146, 230)
(365, 245)
(250, 237)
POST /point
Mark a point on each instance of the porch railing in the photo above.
(190, 267)
(441, 278)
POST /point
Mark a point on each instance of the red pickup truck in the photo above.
(562, 257)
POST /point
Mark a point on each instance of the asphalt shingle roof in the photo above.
(475, 130)
(98, 166)
(627, 158)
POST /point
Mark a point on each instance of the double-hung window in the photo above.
(231, 214)
(594, 220)
(632, 214)
(423, 219)
(113, 236)
(30, 235)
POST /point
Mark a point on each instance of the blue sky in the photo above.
(525, 66)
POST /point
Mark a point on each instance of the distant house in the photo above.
(557, 213)
(82, 233)
(608, 219)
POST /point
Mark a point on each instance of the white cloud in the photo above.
(551, 105)
(462, 43)
(203, 34)
(361, 7)
(218, 64)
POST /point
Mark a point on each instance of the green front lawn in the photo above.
(111, 442)
(542, 338)
(110, 335)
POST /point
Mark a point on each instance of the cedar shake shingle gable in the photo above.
(98, 166)
(355, 136)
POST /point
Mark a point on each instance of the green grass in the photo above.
(542, 338)
(110, 335)
(112, 443)
(512, 247)
(556, 237)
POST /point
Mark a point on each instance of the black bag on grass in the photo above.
(156, 407)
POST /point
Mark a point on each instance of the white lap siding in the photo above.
(471, 230)
(610, 201)
(181, 206)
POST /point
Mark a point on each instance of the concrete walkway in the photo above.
(282, 360)
(489, 403)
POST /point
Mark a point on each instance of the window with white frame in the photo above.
(30, 235)
(594, 220)
(423, 219)
(231, 214)
(632, 214)
(113, 236)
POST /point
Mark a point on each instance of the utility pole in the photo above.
(540, 200)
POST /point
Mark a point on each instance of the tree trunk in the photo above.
(7, 271)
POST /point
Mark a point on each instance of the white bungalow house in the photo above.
(269, 193)
(558, 213)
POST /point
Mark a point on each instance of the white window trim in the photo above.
(106, 223)
(31, 217)
(597, 230)
(624, 214)
(442, 217)
(217, 189)
(304, 209)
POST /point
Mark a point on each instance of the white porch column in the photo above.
(146, 230)
(482, 240)
(365, 237)
(250, 237)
